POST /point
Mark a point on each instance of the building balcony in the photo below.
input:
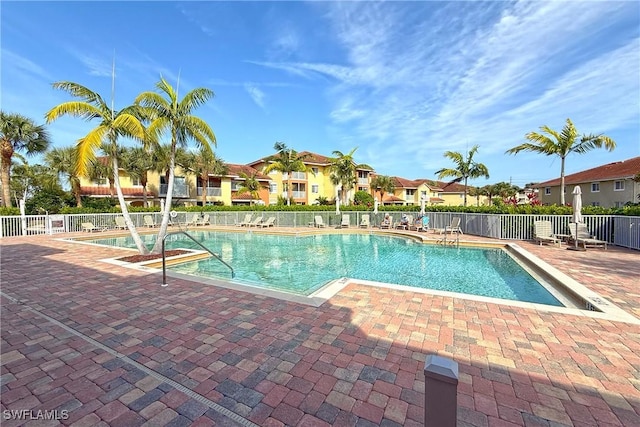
(363, 181)
(211, 191)
(179, 190)
(295, 175)
(299, 194)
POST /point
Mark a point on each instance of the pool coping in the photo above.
(605, 309)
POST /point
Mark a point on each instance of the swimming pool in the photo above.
(302, 264)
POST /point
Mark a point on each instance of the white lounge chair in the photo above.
(120, 223)
(542, 233)
(90, 228)
(584, 237)
(346, 221)
(270, 222)
(256, 222)
(364, 221)
(317, 222)
(387, 222)
(454, 227)
(194, 220)
(420, 224)
(245, 222)
(149, 222)
(204, 220)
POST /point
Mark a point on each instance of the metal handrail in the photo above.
(164, 264)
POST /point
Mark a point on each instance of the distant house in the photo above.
(410, 192)
(609, 185)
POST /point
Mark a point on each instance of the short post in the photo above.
(440, 392)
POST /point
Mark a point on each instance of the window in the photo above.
(315, 171)
(273, 188)
(619, 204)
(101, 181)
(136, 181)
(595, 188)
(314, 188)
(410, 192)
(595, 203)
(547, 191)
(235, 185)
(618, 185)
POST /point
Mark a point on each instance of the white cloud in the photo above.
(21, 64)
(256, 94)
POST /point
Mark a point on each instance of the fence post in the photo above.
(440, 392)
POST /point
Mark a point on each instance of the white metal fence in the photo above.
(615, 229)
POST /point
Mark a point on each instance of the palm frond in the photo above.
(86, 149)
(194, 99)
(81, 92)
(129, 125)
(80, 109)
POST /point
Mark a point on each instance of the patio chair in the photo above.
(584, 237)
(420, 224)
(245, 222)
(270, 222)
(387, 222)
(149, 222)
(317, 222)
(346, 221)
(90, 228)
(454, 227)
(256, 222)
(542, 233)
(204, 220)
(120, 223)
(194, 220)
(364, 221)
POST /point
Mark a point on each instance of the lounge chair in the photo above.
(90, 228)
(346, 221)
(542, 233)
(454, 227)
(245, 222)
(204, 220)
(364, 221)
(194, 220)
(149, 222)
(584, 237)
(270, 222)
(120, 223)
(256, 222)
(420, 224)
(405, 225)
(317, 222)
(387, 222)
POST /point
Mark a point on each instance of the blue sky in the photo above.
(403, 81)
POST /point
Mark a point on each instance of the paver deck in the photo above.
(109, 346)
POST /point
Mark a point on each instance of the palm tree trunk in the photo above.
(157, 247)
(205, 185)
(562, 181)
(75, 188)
(125, 212)
(465, 191)
(144, 182)
(6, 149)
(289, 189)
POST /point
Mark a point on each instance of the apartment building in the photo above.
(610, 185)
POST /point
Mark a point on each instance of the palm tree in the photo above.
(63, 161)
(173, 116)
(18, 133)
(561, 144)
(465, 168)
(343, 172)
(112, 124)
(250, 185)
(137, 162)
(384, 184)
(287, 161)
(203, 164)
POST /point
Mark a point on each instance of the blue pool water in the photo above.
(302, 264)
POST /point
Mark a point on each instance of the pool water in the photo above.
(302, 264)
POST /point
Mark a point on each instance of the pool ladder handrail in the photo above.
(164, 263)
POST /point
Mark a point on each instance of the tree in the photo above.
(170, 115)
(343, 172)
(465, 169)
(287, 161)
(63, 161)
(562, 144)
(112, 125)
(137, 161)
(18, 134)
(203, 164)
(28, 180)
(250, 185)
(362, 198)
(384, 184)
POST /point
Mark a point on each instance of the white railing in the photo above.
(363, 181)
(616, 229)
(211, 191)
(299, 194)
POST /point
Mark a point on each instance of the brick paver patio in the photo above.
(109, 346)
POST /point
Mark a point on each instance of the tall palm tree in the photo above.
(250, 185)
(64, 161)
(21, 134)
(343, 172)
(562, 144)
(384, 184)
(286, 161)
(202, 164)
(170, 115)
(137, 162)
(465, 168)
(112, 124)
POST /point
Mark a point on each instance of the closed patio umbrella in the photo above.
(577, 212)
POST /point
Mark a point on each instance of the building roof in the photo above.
(311, 159)
(391, 198)
(104, 191)
(235, 170)
(451, 187)
(616, 170)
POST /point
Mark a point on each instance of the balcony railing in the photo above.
(295, 175)
(179, 190)
(211, 191)
(299, 194)
(363, 181)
